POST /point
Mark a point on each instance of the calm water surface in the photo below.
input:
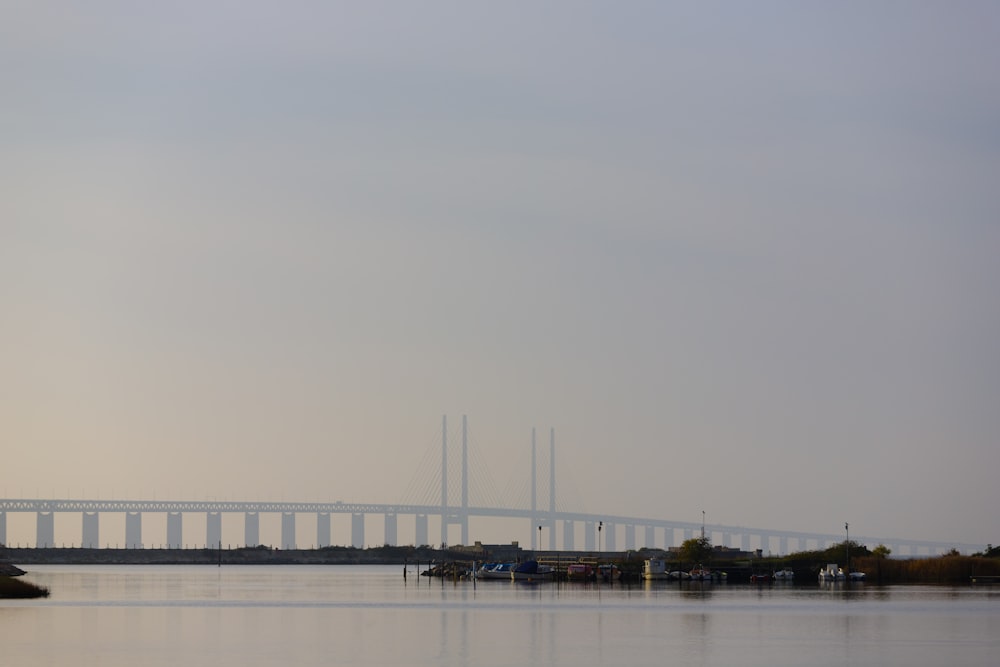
(366, 615)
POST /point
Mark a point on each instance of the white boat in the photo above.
(856, 576)
(832, 573)
(655, 568)
(495, 571)
(784, 575)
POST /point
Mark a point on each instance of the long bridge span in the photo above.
(588, 531)
(598, 531)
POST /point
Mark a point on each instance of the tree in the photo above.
(881, 551)
(696, 550)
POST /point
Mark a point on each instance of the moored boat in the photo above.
(784, 575)
(495, 571)
(532, 570)
(580, 572)
(832, 573)
(655, 568)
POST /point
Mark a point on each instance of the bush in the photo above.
(15, 588)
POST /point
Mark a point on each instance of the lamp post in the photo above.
(847, 548)
(539, 538)
(600, 525)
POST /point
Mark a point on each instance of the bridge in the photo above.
(599, 532)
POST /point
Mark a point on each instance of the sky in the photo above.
(741, 257)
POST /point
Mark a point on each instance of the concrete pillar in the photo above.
(288, 530)
(358, 531)
(569, 543)
(650, 538)
(213, 530)
(133, 530)
(589, 536)
(390, 529)
(175, 530)
(45, 530)
(251, 529)
(630, 536)
(610, 544)
(688, 534)
(420, 539)
(765, 543)
(91, 535)
(322, 529)
(3, 528)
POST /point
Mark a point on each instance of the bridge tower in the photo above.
(539, 519)
(448, 514)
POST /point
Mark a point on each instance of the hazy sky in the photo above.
(742, 256)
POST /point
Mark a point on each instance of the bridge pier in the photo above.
(251, 529)
(175, 530)
(213, 530)
(133, 530)
(630, 536)
(390, 529)
(650, 542)
(358, 531)
(783, 545)
(569, 543)
(420, 538)
(45, 530)
(322, 529)
(589, 537)
(288, 530)
(3, 528)
(90, 532)
(610, 544)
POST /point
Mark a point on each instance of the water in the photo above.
(365, 615)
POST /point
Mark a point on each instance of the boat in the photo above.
(762, 578)
(580, 572)
(609, 572)
(654, 568)
(856, 576)
(783, 575)
(701, 574)
(832, 573)
(531, 570)
(495, 571)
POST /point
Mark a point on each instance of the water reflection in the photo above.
(360, 615)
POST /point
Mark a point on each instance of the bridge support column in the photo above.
(390, 529)
(358, 531)
(45, 530)
(589, 536)
(630, 536)
(3, 528)
(251, 529)
(90, 535)
(175, 530)
(322, 529)
(213, 530)
(783, 546)
(288, 530)
(420, 539)
(569, 541)
(610, 544)
(745, 541)
(650, 542)
(687, 533)
(765, 543)
(133, 530)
